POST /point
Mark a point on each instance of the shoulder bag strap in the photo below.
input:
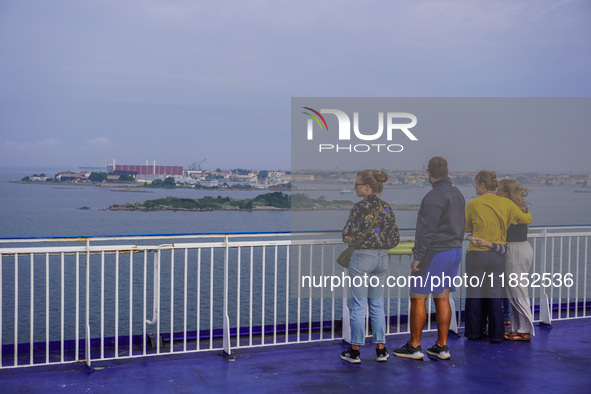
(371, 227)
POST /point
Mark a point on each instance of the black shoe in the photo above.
(382, 354)
(408, 351)
(352, 356)
(441, 352)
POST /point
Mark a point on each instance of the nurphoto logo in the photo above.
(393, 127)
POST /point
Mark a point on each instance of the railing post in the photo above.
(545, 303)
(226, 319)
(156, 291)
(453, 324)
(156, 302)
(87, 317)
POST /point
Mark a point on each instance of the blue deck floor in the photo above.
(557, 359)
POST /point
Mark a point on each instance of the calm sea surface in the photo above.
(54, 210)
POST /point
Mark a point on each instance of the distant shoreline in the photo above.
(582, 189)
(124, 207)
(141, 186)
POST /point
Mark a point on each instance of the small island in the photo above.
(268, 201)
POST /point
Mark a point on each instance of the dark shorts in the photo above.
(440, 274)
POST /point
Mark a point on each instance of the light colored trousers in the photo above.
(368, 263)
(519, 260)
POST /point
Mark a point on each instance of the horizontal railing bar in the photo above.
(163, 235)
(213, 235)
(559, 225)
(141, 248)
(232, 244)
(558, 235)
(99, 238)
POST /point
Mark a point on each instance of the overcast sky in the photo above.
(182, 81)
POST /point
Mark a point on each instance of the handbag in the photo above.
(346, 254)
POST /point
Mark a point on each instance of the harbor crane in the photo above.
(196, 166)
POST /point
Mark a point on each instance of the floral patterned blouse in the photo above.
(385, 234)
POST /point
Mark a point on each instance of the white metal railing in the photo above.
(100, 298)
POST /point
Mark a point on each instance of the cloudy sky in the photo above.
(182, 81)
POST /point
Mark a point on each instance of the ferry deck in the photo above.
(556, 360)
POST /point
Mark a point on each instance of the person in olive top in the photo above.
(369, 260)
(437, 253)
(488, 217)
(518, 260)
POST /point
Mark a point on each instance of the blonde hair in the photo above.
(489, 178)
(515, 192)
(374, 179)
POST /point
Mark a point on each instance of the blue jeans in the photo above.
(367, 270)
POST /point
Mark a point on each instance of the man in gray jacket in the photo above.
(437, 255)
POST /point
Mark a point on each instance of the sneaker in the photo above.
(408, 351)
(352, 356)
(382, 354)
(441, 352)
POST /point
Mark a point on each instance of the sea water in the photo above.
(38, 210)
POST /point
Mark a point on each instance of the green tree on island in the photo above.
(168, 183)
(98, 176)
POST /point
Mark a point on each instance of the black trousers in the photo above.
(484, 296)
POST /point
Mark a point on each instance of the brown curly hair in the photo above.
(374, 178)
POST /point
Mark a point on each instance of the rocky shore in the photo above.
(271, 202)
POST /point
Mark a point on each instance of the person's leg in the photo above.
(496, 266)
(446, 265)
(362, 262)
(506, 309)
(443, 310)
(474, 305)
(496, 327)
(377, 314)
(358, 297)
(519, 260)
(376, 284)
(378, 321)
(418, 317)
(419, 292)
(358, 312)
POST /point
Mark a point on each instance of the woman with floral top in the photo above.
(368, 263)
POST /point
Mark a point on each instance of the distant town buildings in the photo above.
(192, 176)
(195, 175)
(419, 178)
(69, 176)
